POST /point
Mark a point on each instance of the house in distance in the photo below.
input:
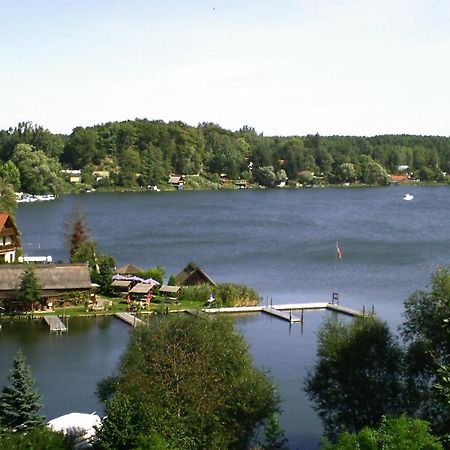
(192, 274)
(9, 238)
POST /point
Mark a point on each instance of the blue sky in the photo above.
(285, 67)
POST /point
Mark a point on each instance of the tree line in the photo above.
(140, 153)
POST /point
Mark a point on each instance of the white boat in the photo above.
(46, 197)
(408, 197)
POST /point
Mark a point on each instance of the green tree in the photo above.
(39, 173)
(358, 376)
(190, 380)
(81, 148)
(10, 174)
(103, 276)
(157, 273)
(393, 434)
(265, 176)
(274, 435)
(130, 165)
(7, 197)
(345, 173)
(20, 402)
(429, 348)
(29, 291)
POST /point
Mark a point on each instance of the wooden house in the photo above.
(177, 182)
(193, 275)
(58, 282)
(9, 238)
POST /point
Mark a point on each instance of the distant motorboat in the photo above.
(408, 197)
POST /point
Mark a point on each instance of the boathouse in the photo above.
(170, 293)
(9, 238)
(192, 274)
(60, 283)
(177, 182)
(129, 269)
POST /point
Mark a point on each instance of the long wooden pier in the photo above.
(55, 324)
(129, 319)
(275, 309)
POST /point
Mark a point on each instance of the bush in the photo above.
(188, 382)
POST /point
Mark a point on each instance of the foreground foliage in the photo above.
(393, 434)
(37, 438)
(187, 383)
(428, 350)
(358, 377)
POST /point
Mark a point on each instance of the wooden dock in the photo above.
(55, 324)
(283, 314)
(129, 319)
(278, 310)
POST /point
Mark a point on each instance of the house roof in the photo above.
(7, 221)
(141, 288)
(49, 276)
(175, 179)
(399, 177)
(121, 284)
(129, 269)
(190, 270)
(169, 289)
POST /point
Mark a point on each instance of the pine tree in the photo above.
(20, 402)
(29, 290)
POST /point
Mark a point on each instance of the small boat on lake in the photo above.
(408, 197)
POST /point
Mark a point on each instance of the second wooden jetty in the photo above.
(55, 324)
(129, 319)
(283, 314)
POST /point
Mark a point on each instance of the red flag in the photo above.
(338, 251)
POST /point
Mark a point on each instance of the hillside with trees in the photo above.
(140, 153)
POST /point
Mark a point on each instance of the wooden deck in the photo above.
(129, 319)
(55, 324)
(283, 314)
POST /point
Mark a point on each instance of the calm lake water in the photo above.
(281, 242)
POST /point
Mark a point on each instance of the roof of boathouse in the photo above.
(142, 288)
(191, 274)
(129, 269)
(49, 276)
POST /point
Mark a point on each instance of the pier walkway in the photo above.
(286, 307)
(129, 319)
(282, 314)
(55, 324)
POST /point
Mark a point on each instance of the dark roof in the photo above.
(49, 276)
(121, 284)
(129, 269)
(191, 269)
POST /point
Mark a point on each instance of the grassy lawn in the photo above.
(116, 304)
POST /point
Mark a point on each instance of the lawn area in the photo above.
(116, 304)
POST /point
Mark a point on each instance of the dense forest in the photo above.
(142, 153)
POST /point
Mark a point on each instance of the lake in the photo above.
(280, 242)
